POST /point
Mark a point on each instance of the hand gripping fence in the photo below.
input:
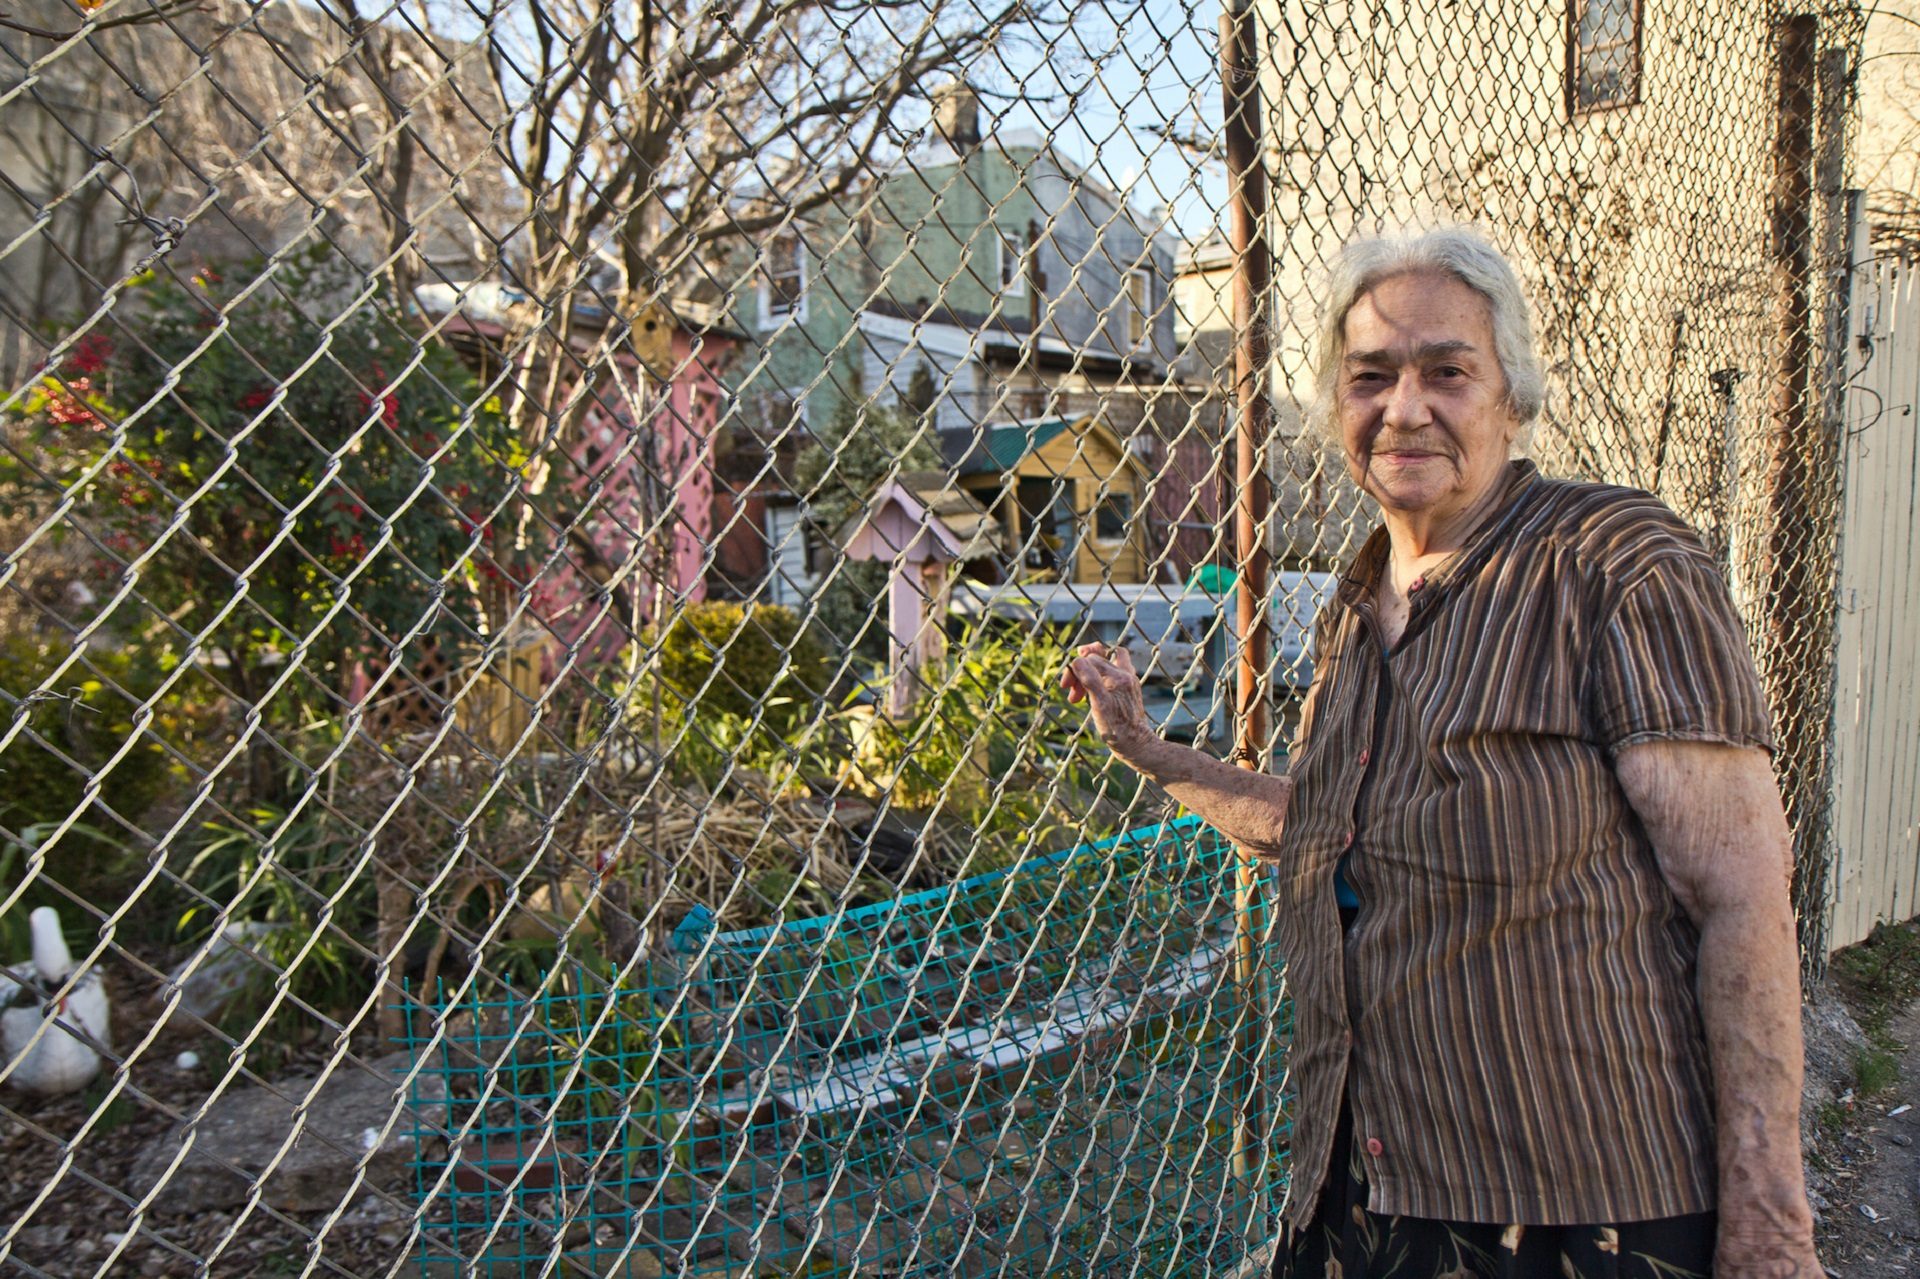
(541, 536)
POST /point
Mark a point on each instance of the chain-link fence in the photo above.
(541, 534)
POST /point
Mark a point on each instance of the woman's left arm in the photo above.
(1713, 813)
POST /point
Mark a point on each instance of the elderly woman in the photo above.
(1532, 863)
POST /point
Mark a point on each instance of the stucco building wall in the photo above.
(1641, 231)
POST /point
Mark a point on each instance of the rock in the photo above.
(239, 1135)
(44, 1238)
(638, 1265)
(888, 843)
(230, 967)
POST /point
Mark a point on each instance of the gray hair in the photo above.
(1457, 251)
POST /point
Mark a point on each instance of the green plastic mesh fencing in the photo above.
(1004, 1076)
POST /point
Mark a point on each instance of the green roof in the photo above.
(1000, 448)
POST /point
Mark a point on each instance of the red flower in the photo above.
(389, 402)
(66, 405)
(255, 399)
(389, 408)
(90, 354)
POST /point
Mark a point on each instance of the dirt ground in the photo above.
(1870, 1224)
(1870, 1221)
(88, 1214)
(1863, 1166)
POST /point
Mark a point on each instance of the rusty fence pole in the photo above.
(1252, 281)
(1790, 583)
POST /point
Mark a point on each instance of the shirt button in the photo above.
(1374, 1147)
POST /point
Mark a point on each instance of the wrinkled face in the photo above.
(1422, 403)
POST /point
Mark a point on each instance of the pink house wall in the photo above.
(609, 479)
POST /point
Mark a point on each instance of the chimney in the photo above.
(956, 115)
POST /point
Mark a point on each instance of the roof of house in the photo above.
(995, 342)
(958, 509)
(997, 448)
(1211, 252)
(959, 527)
(937, 153)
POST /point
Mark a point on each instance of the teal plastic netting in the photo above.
(1034, 1071)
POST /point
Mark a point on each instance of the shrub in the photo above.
(727, 659)
(987, 745)
(299, 879)
(324, 463)
(71, 732)
(87, 718)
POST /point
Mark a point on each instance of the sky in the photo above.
(1117, 71)
(1094, 85)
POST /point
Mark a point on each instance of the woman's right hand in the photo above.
(1104, 678)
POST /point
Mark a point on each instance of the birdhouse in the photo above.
(920, 526)
(652, 340)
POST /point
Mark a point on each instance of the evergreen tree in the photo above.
(864, 445)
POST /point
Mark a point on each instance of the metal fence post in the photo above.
(1252, 280)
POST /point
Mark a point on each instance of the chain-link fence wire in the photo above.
(541, 534)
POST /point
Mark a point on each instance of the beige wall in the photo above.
(1622, 222)
(1888, 146)
(1202, 289)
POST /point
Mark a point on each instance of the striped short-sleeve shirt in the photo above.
(1512, 1014)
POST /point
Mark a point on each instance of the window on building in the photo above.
(1603, 54)
(1049, 532)
(1111, 517)
(789, 555)
(1013, 264)
(1139, 306)
(783, 280)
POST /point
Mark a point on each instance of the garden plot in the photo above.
(940, 1098)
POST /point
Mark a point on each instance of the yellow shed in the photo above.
(1067, 494)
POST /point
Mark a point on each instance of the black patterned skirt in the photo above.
(1346, 1241)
